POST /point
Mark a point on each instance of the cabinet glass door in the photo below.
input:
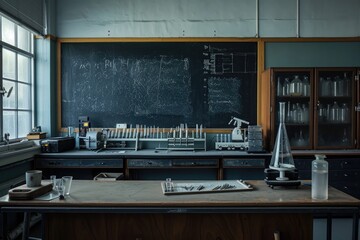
(335, 99)
(294, 87)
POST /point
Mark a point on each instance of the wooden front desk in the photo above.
(139, 210)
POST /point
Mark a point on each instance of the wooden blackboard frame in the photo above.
(260, 63)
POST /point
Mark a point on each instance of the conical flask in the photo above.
(282, 159)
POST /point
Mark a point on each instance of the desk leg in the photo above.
(25, 234)
(328, 227)
(4, 225)
(355, 232)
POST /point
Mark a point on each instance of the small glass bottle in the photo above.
(319, 177)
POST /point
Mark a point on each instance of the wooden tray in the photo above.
(204, 187)
(26, 193)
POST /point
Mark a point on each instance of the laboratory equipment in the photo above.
(319, 177)
(282, 160)
(238, 137)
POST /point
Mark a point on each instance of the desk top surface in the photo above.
(113, 153)
(88, 193)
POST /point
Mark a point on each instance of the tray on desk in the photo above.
(27, 193)
(204, 187)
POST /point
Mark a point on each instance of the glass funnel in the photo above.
(282, 159)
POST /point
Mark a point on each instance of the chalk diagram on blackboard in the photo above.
(227, 77)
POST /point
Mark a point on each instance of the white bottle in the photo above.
(319, 177)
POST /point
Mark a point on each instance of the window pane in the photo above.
(8, 31)
(9, 102)
(23, 39)
(23, 68)
(24, 96)
(24, 123)
(8, 64)
(9, 123)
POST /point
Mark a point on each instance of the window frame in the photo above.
(28, 54)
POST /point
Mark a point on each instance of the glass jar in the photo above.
(296, 86)
(306, 87)
(325, 86)
(305, 112)
(335, 112)
(344, 113)
(319, 178)
(286, 87)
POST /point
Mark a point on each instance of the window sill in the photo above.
(15, 152)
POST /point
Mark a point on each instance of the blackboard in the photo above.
(158, 83)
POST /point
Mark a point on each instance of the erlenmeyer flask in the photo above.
(282, 159)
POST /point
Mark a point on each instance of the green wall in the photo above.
(312, 54)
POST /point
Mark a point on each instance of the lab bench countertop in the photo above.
(89, 193)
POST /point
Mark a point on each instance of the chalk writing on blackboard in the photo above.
(157, 83)
(224, 95)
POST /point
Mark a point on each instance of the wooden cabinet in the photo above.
(322, 106)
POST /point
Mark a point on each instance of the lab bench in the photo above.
(344, 166)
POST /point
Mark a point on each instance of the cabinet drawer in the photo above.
(118, 163)
(195, 163)
(345, 175)
(78, 163)
(57, 163)
(148, 163)
(244, 163)
(350, 163)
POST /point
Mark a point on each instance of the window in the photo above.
(17, 68)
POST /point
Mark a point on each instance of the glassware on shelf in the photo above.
(334, 113)
(288, 113)
(344, 116)
(306, 87)
(325, 86)
(286, 87)
(338, 87)
(279, 88)
(322, 113)
(299, 113)
(347, 85)
(296, 86)
(344, 139)
(305, 114)
(282, 159)
(294, 116)
(328, 108)
(299, 141)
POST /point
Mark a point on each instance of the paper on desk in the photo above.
(48, 196)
